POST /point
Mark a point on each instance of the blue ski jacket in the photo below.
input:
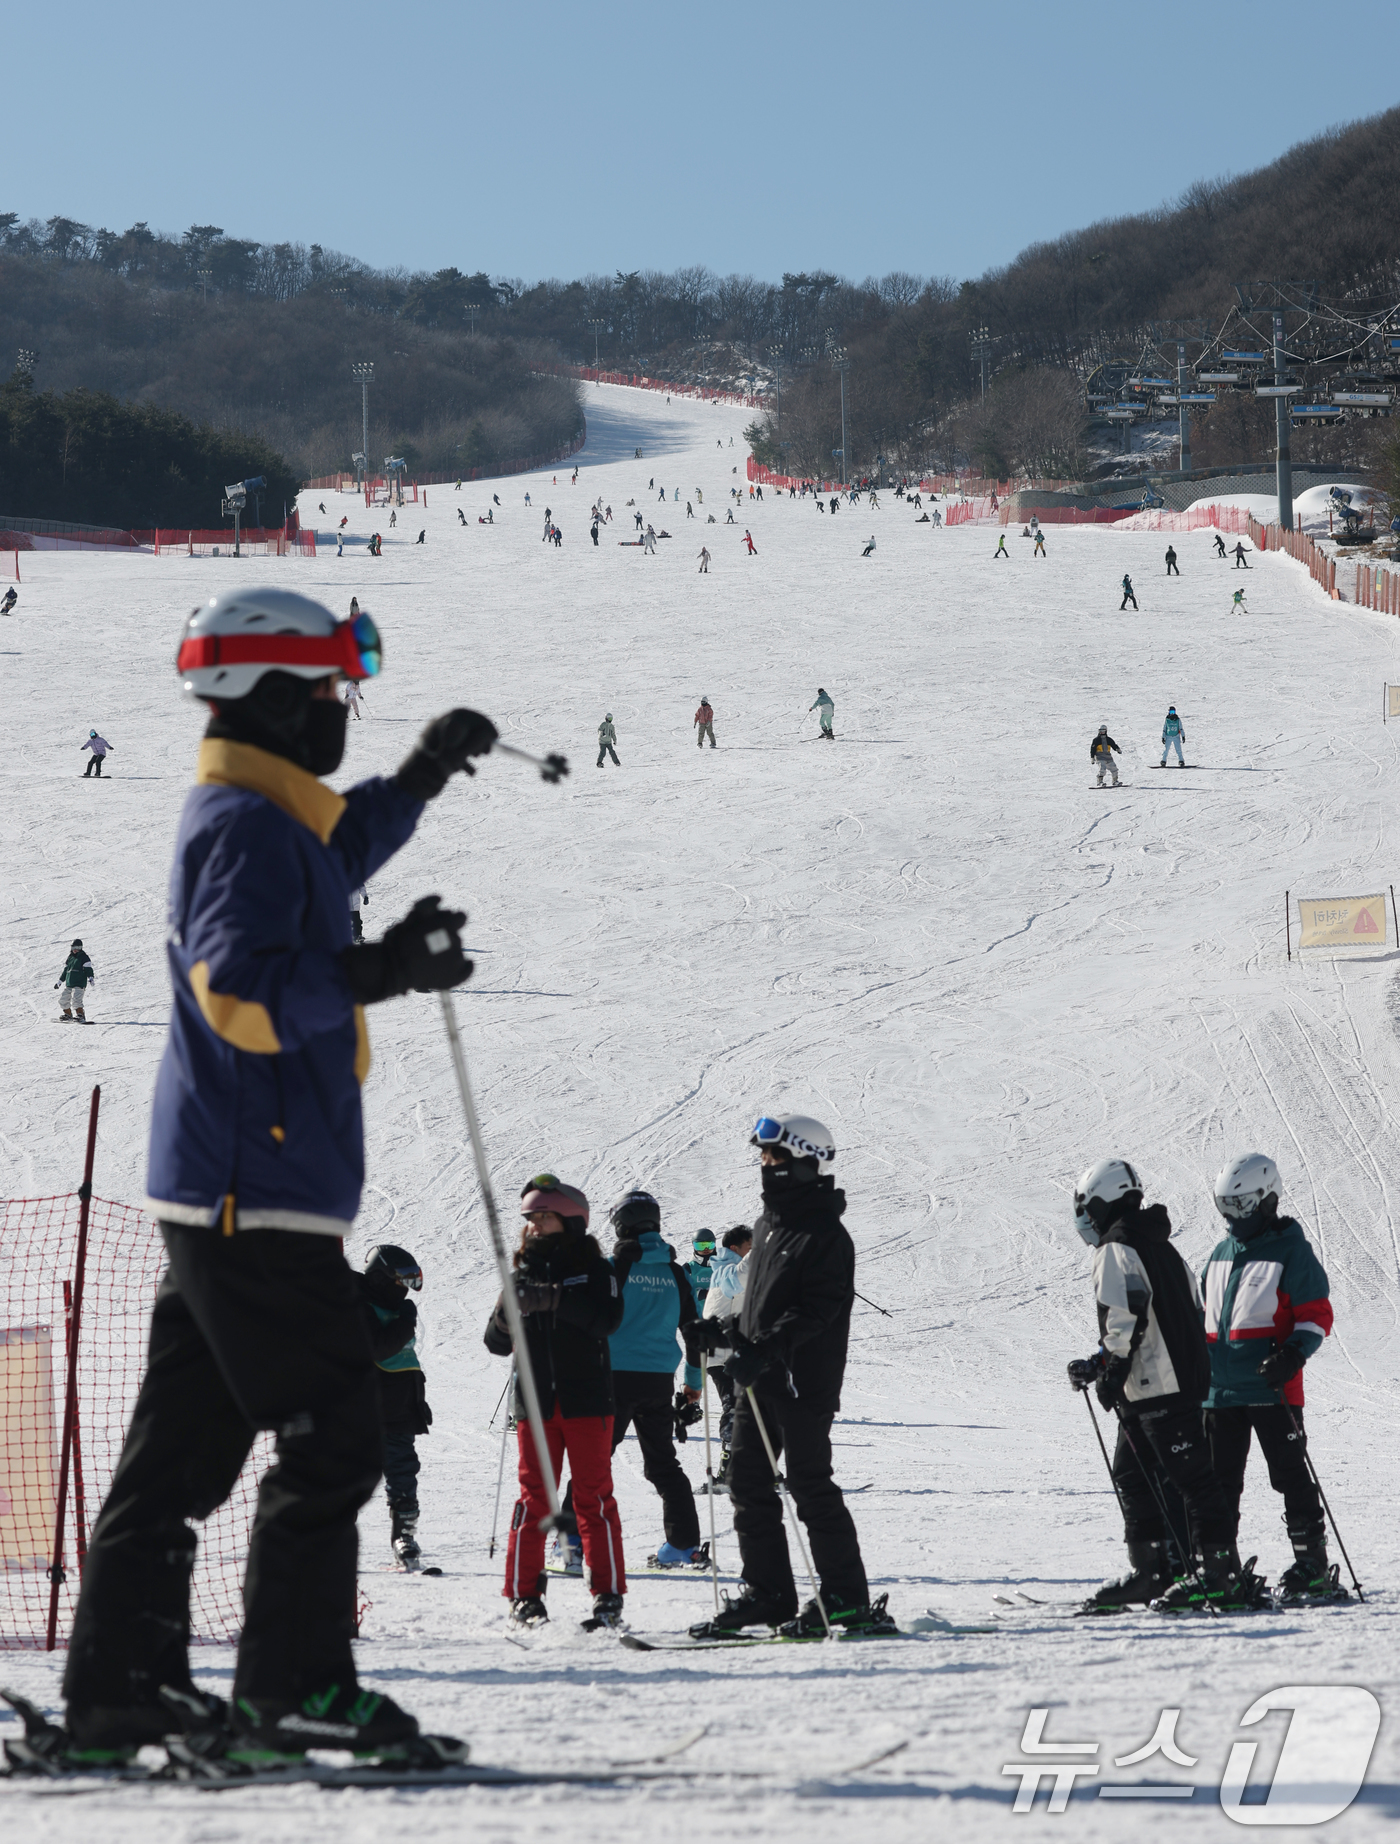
(656, 1302)
(256, 1122)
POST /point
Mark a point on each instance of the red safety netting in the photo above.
(40, 1279)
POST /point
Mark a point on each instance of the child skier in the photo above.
(753, 548)
(392, 1320)
(1173, 732)
(1101, 752)
(76, 977)
(1039, 550)
(826, 712)
(1237, 605)
(1128, 595)
(1152, 1370)
(99, 747)
(1001, 550)
(1266, 1297)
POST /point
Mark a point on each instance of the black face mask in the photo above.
(323, 739)
(281, 716)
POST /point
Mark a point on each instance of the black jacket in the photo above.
(403, 1394)
(569, 1347)
(1164, 1327)
(801, 1286)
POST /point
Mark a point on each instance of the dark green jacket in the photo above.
(77, 971)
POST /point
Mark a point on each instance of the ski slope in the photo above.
(937, 935)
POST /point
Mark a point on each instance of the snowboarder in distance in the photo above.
(689, 510)
(607, 736)
(1173, 733)
(593, 528)
(422, 536)
(99, 747)
(753, 548)
(1128, 595)
(1219, 545)
(76, 977)
(1001, 550)
(869, 547)
(359, 898)
(1152, 1371)
(704, 569)
(704, 723)
(1241, 561)
(391, 1319)
(10, 598)
(1237, 603)
(826, 712)
(649, 543)
(1171, 562)
(1265, 1287)
(1101, 752)
(461, 516)
(393, 520)
(1039, 550)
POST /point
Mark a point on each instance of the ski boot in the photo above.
(566, 1553)
(607, 1612)
(529, 1610)
(404, 1538)
(66, 1017)
(871, 1621)
(669, 1557)
(717, 1483)
(81, 1015)
(749, 1609)
(1150, 1576)
(261, 1734)
(1309, 1580)
(95, 1738)
(1222, 1584)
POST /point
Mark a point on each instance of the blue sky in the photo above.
(557, 140)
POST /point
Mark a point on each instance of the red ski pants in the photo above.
(587, 1441)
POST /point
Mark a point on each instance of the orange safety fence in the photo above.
(1377, 589)
(1297, 544)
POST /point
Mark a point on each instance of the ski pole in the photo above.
(499, 1400)
(501, 1468)
(1149, 1473)
(709, 1474)
(552, 767)
(1297, 1429)
(791, 1511)
(1098, 1436)
(515, 1319)
(878, 1309)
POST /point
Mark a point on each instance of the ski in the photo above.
(739, 1642)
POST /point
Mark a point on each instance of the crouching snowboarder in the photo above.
(1152, 1370)
(1266, 1298)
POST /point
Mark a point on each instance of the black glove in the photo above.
(1280, 1365)
(423, 953)
(1085, 1371)
(537, 1296)
(684, 1415)
(1109, 1386)
(442, 750)
(627, 1252)
(705, 1335)
(747, 1363)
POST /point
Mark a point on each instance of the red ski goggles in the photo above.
(353, 647)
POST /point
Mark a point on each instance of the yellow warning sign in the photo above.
(28, 1447)
(1343, 921)
(1392, 693)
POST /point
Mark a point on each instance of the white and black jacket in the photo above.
(1150, 1312)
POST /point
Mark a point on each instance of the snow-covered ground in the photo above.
(938, 936)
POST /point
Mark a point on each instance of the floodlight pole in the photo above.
(1183, 412)
(597, 326)
(843, 365)
(1285, 425)
(364, 372)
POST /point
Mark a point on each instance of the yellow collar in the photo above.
(293, 789)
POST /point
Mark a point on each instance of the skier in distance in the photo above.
(72, 984)
(1101, 752)
(1151, 1370)
(7, 603)
(704, 724)
(1171, 562)
(607, 737)
(789, 1349)
(99, 747)
(1173, 733)
(704, 569)
(869, 547)
(1128, 595)
(1267, 1297)
(255, 1174)
(826, 713)
(1219, 543)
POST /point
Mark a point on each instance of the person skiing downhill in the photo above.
(570, 1298)
(657, 1306)
(1267, 1297)
(753, 548)
(649, 543)
(1171, 562)
(11, 596)
(99, 747)
(1151, 1370)
(1001, 550)
(1237, 603)
(826, 713)
(704, 724)
(255, 1173)
(392, 1321)
(1128, 595)
(1173, 733)
(869, 547)
(1101, 752)
(704, 569)
(607, 736)
(788, 1361)
(72, 984)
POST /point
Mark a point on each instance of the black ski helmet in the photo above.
(77, 941)
(637, 1211)
(388, 1260)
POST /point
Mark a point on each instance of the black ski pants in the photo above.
(801, 1438)
(1172, 569)
(262, 1329)
(642, 1400)
(607, 750)
(1128, 596)
(1174, 1441)
(401, 1469)
(94, 767)
(1283, 1447)
(728, 1397)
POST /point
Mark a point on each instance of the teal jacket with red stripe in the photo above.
(1262, 1291)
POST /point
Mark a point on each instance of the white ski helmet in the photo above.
(1104, 1183)
(229, 643)
(801, 1134)
(1244, 1184)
